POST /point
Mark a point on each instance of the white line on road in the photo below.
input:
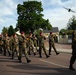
(53, 63)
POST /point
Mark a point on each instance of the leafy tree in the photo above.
(71, 26)
(11, 30)
(72, 23)
(63, 32)
(4, 30)
(30, 17)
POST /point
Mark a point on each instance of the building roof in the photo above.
(54, 29)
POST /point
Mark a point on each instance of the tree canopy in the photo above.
(11, 30)
(72, 23)
(63, 31)
(4, 30)
(30, 17)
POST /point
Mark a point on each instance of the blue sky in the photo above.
(53, 10)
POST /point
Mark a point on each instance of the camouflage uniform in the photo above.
(22, 48)
(7, 44)
(73, 57)
(4, 45)
(31, 45)
(52, 44)
(1, 44)
(35, 41)
(15, 44)
(41, 45)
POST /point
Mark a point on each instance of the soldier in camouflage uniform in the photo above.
(15, 45)
(35, 41)
(1, 44)
(22, 47)
(4, 45)
(73, 57)
(31, 45)
(52, 44)
(41, 45)
(7, 44)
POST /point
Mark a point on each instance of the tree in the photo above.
(63, 32)
(71, 26)
(30, 17)
(11, 30)
(72, 23)
(4, 30)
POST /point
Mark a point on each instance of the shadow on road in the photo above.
(37, 69)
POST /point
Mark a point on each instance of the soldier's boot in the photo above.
(34, 53)
(1, 51)
(29, 52)
(12, 55)
(40, 56)
(49, 52)
(57, 53)
(71, 67)
(28, 60)
(19, 58)
(9, 53)
(4, 52)
(47, 56)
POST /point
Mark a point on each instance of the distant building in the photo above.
(58, 38)
(54, 30)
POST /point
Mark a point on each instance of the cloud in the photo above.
(53, 10)
(57, 15)
(7, 13)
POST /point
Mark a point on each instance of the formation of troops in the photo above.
(19, 44)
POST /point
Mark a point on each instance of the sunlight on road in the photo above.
(53, 63)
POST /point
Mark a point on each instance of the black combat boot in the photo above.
(19, 58)
(34, 53)
(57, 53)
(28, 60)
(47, 56)
(12, 55)
(71, 67)
(40, 56)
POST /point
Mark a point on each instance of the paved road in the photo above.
(65, 48)
(54, 65)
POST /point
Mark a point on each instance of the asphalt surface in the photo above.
(54, 65)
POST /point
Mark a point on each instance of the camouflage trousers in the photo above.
(15, 49)
(23, 51)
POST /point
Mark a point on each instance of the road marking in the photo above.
(53, 63)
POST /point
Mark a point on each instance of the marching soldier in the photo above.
(4, 45)
(73, 57)
(15, 45)
(31, 45)
(52, 44)
(7, 44)
(1, 44)
(35, 41)
(41, 45)
(22, 47)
